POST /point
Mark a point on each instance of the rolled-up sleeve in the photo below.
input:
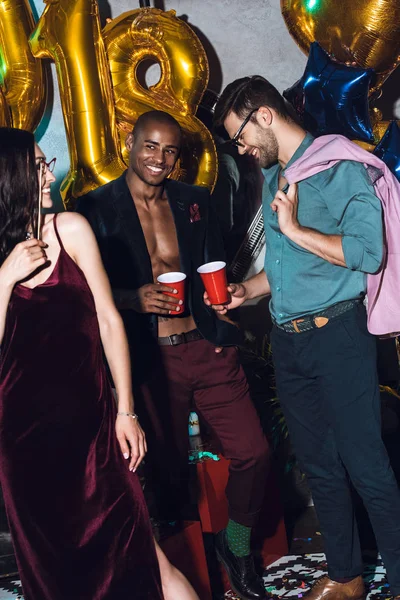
(351, 200)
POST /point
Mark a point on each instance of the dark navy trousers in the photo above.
(328, 388)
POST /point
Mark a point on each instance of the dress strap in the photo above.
(56, 232)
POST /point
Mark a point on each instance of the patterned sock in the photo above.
(238, 538)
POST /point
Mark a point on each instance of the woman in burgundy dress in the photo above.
(68, 456)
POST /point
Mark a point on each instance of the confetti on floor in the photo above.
(292, 576)
(288, 577)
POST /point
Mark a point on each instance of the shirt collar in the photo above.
(308, 140)
(271, 173)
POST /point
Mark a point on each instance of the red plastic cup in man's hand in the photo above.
(176, 281)
(213, 275)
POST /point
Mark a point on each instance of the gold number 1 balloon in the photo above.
(366, 32)
(69, 33)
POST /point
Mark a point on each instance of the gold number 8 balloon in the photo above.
(159, 35)
(69, 33)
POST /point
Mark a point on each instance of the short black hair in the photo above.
(247, 94)
(157, 116)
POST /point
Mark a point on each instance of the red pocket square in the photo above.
(194, 213)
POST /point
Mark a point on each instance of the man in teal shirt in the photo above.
(323, 236)
(303, 282)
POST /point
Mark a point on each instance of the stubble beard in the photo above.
(269, 150)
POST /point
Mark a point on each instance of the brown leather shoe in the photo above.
(326, 589)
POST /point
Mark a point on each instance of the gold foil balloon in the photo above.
(5, 115)
(379, 129)
(69, 32)
(365, 32)
(151, 33)
(22, 78)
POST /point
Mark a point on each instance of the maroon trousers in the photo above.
(192, 376)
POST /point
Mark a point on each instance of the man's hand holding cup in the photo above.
(173, 284)
(219, 295)
(238, 296)
(157, 299)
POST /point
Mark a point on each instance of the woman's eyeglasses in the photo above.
(43, 165)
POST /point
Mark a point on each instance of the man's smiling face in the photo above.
(153, 151)
(259, 142)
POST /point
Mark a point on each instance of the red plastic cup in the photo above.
(176, 281)
(213, 275)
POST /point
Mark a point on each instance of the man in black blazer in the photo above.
(147, 225)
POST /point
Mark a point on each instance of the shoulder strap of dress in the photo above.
(56, 232)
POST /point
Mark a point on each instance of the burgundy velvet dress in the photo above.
(77, 516)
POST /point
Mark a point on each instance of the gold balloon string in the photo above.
(40, 201)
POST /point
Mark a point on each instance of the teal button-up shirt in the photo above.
(340, 200)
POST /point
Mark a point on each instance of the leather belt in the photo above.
(317, 320)
(180, 338)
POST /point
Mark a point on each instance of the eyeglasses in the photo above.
(235, 139)
(42, 164)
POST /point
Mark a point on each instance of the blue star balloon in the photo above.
(388, 148)
(332, 97)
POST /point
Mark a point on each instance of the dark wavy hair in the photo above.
(19, 188)
(247, 94)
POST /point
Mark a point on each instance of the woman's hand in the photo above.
(24, 259)
(132, 440)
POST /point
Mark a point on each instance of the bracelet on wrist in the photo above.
(132, 415)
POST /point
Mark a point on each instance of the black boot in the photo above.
(241, 572)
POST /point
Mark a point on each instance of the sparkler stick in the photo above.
(39, 217)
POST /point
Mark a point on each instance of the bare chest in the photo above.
(159, 231)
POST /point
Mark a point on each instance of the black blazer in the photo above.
(112, 214)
